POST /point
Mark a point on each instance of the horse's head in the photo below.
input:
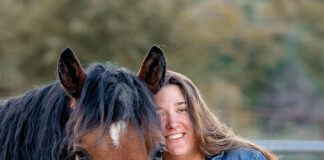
(113, 116)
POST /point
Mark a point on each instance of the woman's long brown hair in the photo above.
(213, 137)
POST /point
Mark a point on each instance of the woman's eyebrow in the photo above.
(180, 103)
(158, 108)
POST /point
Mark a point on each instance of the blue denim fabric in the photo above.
(239, 154)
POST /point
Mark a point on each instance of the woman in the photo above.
(192, 131)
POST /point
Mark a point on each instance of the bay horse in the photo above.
(103, 113)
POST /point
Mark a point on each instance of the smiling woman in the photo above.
(177, 126)
(192, 131)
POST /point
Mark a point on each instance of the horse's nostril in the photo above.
(158, 152)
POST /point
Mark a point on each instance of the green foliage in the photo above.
(35, 31)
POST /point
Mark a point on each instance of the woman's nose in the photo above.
(172, 121)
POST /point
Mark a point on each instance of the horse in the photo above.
(103, 112)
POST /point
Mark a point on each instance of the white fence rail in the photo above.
(291, 145)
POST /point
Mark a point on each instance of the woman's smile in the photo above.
(175, 136)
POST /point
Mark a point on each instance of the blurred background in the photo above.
(259, 64)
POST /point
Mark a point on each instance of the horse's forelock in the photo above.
(110, 95)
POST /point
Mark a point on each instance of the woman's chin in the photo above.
(177, 150)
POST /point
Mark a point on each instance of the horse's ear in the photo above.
(153, 69)
(71, 73)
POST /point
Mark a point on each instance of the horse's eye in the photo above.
(158, 152)
(81, 154)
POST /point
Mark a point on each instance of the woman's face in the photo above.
(177, 127)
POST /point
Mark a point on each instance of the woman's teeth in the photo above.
(175, 136)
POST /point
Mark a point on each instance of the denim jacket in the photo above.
(239, 154)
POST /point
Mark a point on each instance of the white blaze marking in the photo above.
(116, 129)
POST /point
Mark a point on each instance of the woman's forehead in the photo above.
(169, 95)
(168, 91)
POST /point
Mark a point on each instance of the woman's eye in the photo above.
(183, 110)
(160, 114)
(81, 154)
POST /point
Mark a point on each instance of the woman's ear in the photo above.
(153, 68)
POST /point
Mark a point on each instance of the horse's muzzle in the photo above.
(158, 152)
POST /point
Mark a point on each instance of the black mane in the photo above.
(34, 123)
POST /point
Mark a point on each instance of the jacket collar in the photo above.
(217, 157)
